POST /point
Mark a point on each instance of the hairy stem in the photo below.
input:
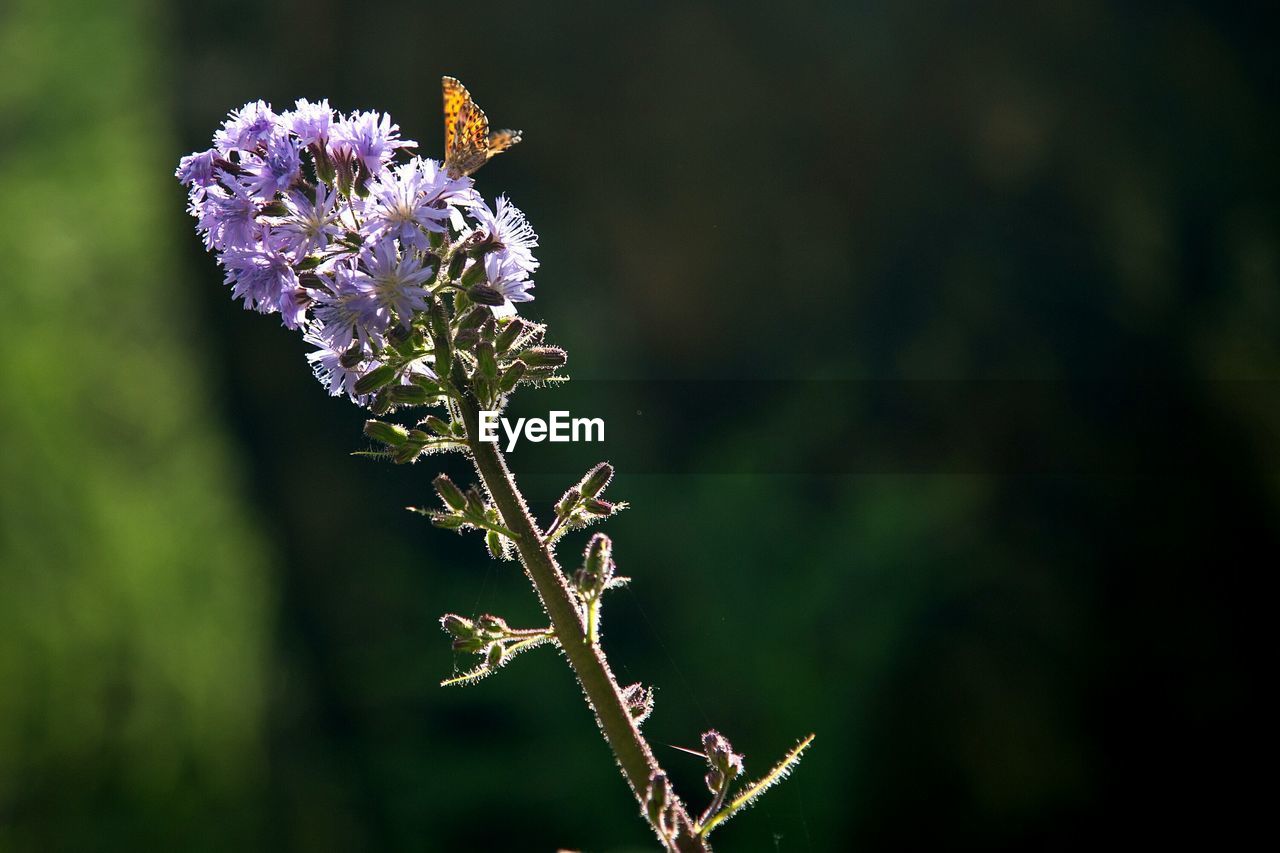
(588, 661)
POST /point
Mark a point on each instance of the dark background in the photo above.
(938, 348)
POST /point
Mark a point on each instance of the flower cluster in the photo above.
(312, 217)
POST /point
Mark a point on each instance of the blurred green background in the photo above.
(1039, 626)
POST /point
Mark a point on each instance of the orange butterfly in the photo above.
(468, 144)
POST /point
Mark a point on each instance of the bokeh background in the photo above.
(951, 333)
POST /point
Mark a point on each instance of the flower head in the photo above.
(347, 309)
(311, 221)
(506, 232)
(246, 128)
(276, 168)
(309, 122)
(370, 138)
(395, 279)
(226, 214)
(338, 370)
(507, 277)
(410, 200)
(265, 280)
(197, 170)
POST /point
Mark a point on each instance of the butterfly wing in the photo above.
(468, 144)
(455, 97)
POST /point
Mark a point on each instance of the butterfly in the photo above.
(468, 144)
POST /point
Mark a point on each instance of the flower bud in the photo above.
(456, 625)
(438, 426)
(544, 357)
(455, 265)
(510, 332)
(393, 435)
(511, 377)
(493, 542)
(473, 274)
(412, 395)
(598, 556)
(494, 625)
(596, 479)
(495, 655)
(484, 294)
(447, 521)
(595, 506)
(473, 318)
(485, 360)
(375, 379)
(568, 502)
(450, 493)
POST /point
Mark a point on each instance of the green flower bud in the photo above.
(456, 625)
(511, 377)
(455, 265)
(493, 541)
(448, 521)
(596, 480)
(450, 493)
(438, 426)
(544, 357)
(473, 275)
(493, 625)
(375, 379)
(483, 294)
(393, 435)
(598, 555)
(510, 332)
(409, 394)
(495, 655)
(485, 360)
(473, 318)
(568, 502)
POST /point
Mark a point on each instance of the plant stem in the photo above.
(587, 660)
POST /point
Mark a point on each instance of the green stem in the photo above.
(587, 660)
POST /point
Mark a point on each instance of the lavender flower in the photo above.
(506, 232)
(412, 199)
(276, 169)
(506, 275)
(311, 222)
(348, 310)
(370, 138)
(197, 170)
(309, 122)
(395, 279)
(338, 370)
(263, 277)
(246, 128)
(226, 214)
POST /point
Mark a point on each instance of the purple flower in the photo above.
(309, 224)
(508, 278)
(309, 122)
(226, 214)
(347, 310)
(338, 370)
(410, 200)
(506, 232)
(197, 170)
(396, 283)
(264, 279)
(246, 128)
(370, 138)
(276, 169)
